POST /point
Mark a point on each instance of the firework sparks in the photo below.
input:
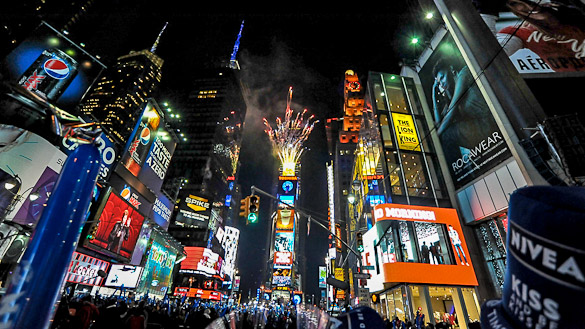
(288, 136)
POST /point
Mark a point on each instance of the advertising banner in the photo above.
(459, 272)
(283, 259)
(84, 269)
(405, 132)
(285, 220)
(230, 245)
(52, 68)
(158, 269)
(105, 146)
(37, 163)
(150, 149)
(201, 261)
(543, 36)
(198, 293)
(194, 211)
(281, 277)
(141, 243)
(322, 277)
(284, 242)
(471, 140)
(162, 210)
(119, 225)
(122, 275)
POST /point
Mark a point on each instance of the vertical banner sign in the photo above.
(34, 286)
(471, 140)
(141, 141)
(322, 277)
(405, 132)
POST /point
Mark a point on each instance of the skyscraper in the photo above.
(116, 99)
(207, 163)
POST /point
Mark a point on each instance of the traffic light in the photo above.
(360, 242)
(92, 233)
(244, 207)
(253, 207)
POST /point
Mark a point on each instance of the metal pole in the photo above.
(255, 189)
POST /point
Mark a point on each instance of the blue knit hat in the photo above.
(544, 285)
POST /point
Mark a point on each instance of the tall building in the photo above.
(207, 164)
(116, 101)
(342, 137)
(411, 241)
(287, 138)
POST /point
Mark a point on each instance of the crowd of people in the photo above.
(89, 312)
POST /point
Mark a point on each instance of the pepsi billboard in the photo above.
(49, 67)
(150, 148)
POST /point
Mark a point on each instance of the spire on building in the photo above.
(233, 61)
(155, 45)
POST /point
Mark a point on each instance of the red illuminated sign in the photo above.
(84, 269)
(198, 293)
(283, 257)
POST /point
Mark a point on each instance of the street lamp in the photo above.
(15, 183)
(351, 198)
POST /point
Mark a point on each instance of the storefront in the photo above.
(420, 265)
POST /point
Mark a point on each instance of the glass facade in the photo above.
(415, 242)
(394, 137)
(457, 307)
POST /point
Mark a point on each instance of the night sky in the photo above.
(294, 45)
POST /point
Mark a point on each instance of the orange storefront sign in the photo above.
(460, 273)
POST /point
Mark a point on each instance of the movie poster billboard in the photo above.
(150, 148)
(471, 140)
(158, 269)
(123, 275)
(542, 36)
(52, 68)
(37, 164)
(119, 225)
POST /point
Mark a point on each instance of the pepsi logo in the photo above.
(125, 194)
(56, 68)
(145, 136)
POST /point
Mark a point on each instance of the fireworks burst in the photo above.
(288, 136)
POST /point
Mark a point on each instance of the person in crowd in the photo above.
(86, 313)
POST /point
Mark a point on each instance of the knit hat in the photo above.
(544, 284)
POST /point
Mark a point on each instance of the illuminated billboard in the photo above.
(198, 293)
(283, 259)
(322, 277)
(284, 241)
(201, 261)
(471, 140)
(119, 225)
(285, 220)
(49, 67)
(150, 148)
(158, 268)
(230, 245)
(442, 256)
(281, 277)
(405, 132)
(194, 211)
(84, 269)
(123, 275)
